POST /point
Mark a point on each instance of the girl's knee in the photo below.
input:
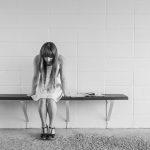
(42, 101)
(50, 100)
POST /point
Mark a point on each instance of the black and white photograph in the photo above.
(74, 74)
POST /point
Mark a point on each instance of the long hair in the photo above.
(48, 49)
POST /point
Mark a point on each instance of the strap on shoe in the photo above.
(51, 129)
(43, 128)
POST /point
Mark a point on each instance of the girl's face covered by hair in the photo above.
(48, 55)
(48, 60)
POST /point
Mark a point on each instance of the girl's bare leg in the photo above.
(52, 110)
(42, 111)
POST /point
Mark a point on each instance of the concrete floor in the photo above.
(32, 132)
(76, 139)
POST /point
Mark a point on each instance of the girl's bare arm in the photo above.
(62, 74)
(36, 75)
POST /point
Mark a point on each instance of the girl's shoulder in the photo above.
(60, 59)
(37, 59)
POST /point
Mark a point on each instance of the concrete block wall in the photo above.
(106, 46)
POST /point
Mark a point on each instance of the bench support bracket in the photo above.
(24, 107)
(109, 111)
(67, 113)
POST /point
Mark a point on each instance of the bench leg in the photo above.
(67, 113)
(24, 107)
(110, 110)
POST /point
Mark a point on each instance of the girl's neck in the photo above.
(49, 65)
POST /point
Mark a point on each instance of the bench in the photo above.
(23, 98)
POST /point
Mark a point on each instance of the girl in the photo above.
(48, 86)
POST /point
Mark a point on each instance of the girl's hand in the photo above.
(66, 93)
(31, 94)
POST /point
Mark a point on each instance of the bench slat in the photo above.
(101, 97)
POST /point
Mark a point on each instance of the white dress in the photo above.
(43, 91)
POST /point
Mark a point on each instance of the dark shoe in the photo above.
(44, 134)
(51, 134)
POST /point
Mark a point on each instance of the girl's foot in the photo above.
(44, 133)
(51, 134)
